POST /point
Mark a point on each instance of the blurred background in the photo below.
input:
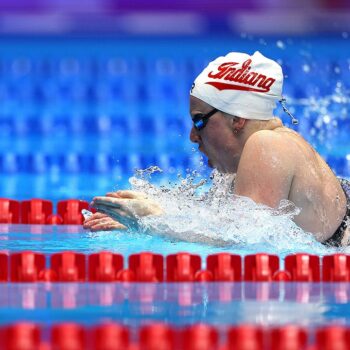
(92, 90)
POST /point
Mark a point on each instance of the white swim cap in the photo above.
(242, 85)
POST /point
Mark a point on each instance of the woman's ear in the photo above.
(238, 124)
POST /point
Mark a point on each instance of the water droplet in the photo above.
(280, 44)
(345, 35)
(306, 68)
(195, 212)
(326, 119)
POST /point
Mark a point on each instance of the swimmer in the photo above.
(231, 106)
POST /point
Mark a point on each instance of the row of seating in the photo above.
(69, 124)
(181, 267)
(99, 163)
(106, 163)
(92, 94)
(131, 91)
(157, 123)
(160, 65)
(160, 336)
(171, 66)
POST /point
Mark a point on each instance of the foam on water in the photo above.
(207, 211)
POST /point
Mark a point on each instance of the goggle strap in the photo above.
(283, 101)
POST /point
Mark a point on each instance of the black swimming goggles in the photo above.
(200, 120)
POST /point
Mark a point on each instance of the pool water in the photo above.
(135, 304)
(79, 115)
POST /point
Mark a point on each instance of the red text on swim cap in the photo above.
(227, 71)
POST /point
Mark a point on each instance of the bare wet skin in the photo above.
(314, 187)
(273, 163)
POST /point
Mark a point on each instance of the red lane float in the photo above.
(200, 337)
(20, 336)
(245, 337)
(182, 267)
(70, 211)
(303, 267)
(54, 219)
(147, 267)
(40, 212)
(104, 266)
(288, 338)
(260, 267)
(156, 336)
(69, 266)
(225, 267)
(110, 337)
(336, 268)
(26, 267)
(4, 267)
(332, 338)
(9, 211)
(68, 336)
(160, 336)
(36, 211)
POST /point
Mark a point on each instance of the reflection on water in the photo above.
(309, 304)
(57, 239)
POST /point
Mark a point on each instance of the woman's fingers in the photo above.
(108, 201)
(104, 222)
(107, 226)
(113, 194)
(88, 224)
(95, 216)
(127, 194)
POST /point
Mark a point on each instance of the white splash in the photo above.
(220, 218)
(86, 213)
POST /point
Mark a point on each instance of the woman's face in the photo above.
(216, 140)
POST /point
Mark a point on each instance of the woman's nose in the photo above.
(194, 136)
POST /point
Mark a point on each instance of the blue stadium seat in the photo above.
(10, 163)
(72, 163)
(7, 126)
(37, 163)
(100, 163)
(133, 162)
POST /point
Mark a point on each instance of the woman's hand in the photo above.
(126, 207)
(102, 222)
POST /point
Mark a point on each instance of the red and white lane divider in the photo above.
(70, 266)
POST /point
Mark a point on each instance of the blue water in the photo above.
(220, 304)
(134, 304)
(79, 115)
(49, 239)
